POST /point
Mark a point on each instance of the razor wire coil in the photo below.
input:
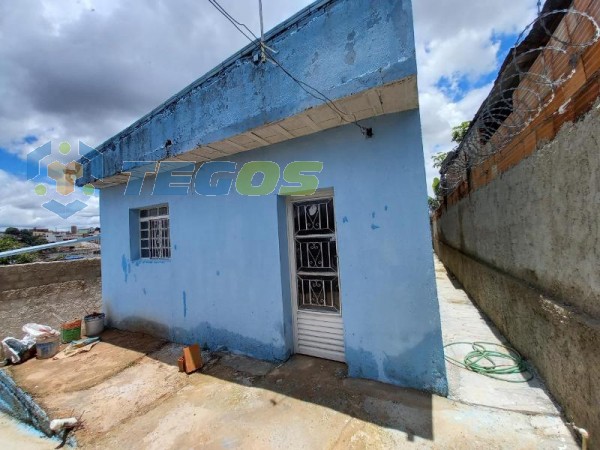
(528, 83)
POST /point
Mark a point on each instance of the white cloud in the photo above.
(458, 40)
(85, 70)
(20, 206)
(469, 53)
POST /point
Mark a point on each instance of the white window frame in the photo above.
(155, 232)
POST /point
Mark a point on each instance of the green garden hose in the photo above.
(492, 363)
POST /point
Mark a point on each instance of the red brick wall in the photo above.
(576, 97)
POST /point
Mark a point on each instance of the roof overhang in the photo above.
(395, 97)
(359, 53)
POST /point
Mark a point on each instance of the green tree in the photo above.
(460, 131)
(436, 186)
(438, 159)
(434, 202)
(458, 134)
(11, 243)
(27, 238)
(12, 231)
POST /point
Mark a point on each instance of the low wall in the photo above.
(47, 293)
(526, 248)
(561, 343)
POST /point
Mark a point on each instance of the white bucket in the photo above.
(47, 347)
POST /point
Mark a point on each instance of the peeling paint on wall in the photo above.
(125, 267)
(234, 98)
(247, 306)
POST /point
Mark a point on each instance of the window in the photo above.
(155, 240)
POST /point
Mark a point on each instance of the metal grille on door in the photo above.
(319, 326)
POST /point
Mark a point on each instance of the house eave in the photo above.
(349, 50)
(401, 95)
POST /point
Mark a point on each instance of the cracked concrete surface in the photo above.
(132, 396)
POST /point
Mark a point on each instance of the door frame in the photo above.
(290, 200)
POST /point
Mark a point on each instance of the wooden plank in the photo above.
(282, 131)
(375, 101)
(257, 138)
(235, 145)
(310, 122)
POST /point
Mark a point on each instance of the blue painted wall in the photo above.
(367, 43)
(227, 282)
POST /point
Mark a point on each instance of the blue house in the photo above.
(277, 205)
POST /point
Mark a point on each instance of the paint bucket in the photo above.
(71, 331)
(46, 347)
(94, 324)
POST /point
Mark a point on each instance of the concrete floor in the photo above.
(16, 436)
(132, 396)
(464, 322)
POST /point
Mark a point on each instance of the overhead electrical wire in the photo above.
(268, 53)
(234, 22)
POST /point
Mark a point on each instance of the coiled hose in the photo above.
(492, 363)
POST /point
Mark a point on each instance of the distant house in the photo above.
(39, 232)
(220, 243)
(50, 236)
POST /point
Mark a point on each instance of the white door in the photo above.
(317, 304)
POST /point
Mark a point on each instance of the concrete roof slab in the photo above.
(342, 48)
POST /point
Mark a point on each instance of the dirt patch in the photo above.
(117, 351)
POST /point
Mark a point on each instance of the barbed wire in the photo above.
(528, 82)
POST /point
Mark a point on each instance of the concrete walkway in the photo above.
(462, 321)
(132, 396)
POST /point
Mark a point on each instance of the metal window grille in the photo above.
(316, 255)
(155, 239)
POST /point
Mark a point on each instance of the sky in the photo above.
(82, 70)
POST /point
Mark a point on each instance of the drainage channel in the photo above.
(16, 403)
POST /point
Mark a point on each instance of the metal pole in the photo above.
(262, 32)
(37, 248)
